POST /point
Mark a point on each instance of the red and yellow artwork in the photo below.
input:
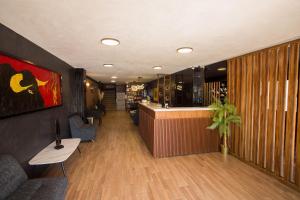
(25, 87)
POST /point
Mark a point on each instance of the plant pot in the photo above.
(224, 149)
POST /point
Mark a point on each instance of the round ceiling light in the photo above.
(108, 65)
(157, 67)
(113, 81)
(222, 69)
(110, 41)
(114, 77)
(185, 50)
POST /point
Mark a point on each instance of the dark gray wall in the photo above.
(25, 135)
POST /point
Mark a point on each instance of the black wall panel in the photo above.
(25, 135)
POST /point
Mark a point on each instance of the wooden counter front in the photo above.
(173, 132)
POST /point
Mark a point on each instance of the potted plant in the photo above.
(224, 114)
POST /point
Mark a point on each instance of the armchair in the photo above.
(79, 129)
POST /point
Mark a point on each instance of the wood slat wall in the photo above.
(264, 86)
(211, 91)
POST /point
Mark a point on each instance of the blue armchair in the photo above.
(15, 184)
(79, 129)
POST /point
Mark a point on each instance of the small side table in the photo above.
(50, 155)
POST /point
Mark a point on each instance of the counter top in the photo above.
(177, 131)
(157, 108)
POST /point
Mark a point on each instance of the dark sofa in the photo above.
(15, 185)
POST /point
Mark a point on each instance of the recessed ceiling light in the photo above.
(113, 81)
(185, 50)
(108, 65)
(114, 77)
(157, 67)
(222, 69)
(110, 41)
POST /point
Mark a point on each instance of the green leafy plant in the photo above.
(224, 114)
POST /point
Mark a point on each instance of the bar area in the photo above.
(176, 131)
(172, 111)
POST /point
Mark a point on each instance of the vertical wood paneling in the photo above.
(291, 112)
(231, 99)
(256, 107)
(211, 92)
(177, 136)
(243, 134)
(147, 126)
(280, 116)
(263, 107)
(192, 139)
(265, 88)
(297, 150)
(248, 94)
(237, 129)
(272, 66)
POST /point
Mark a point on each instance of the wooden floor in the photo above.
(118, 166)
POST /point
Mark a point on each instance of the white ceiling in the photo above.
(150, 31)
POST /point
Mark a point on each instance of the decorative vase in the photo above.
(224, 149)
(57, 138)
(224, 146)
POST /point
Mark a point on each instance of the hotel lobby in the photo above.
(162, 100)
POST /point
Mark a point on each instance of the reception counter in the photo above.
(177, 131)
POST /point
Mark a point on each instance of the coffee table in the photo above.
(50, 155)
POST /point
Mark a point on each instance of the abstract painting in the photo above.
(25, 87)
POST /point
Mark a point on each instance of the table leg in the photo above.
(63, 168)
(78, 150)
